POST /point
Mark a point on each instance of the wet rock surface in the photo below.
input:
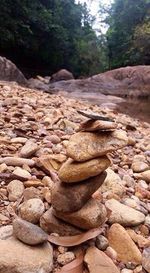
(51, 122)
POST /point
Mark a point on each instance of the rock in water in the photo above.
(98, 262)
(16, 257)
(28, 233)
(123, 214)
(70, 198)
(92, 215)
(49, 223)
(126, 252)
(95, 144)
(72, 171)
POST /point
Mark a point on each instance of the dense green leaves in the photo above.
(129, 32)
(46, 35)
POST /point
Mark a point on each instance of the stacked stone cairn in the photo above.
(81, 176)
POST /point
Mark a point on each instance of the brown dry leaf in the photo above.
(74, 240)
(75, 266)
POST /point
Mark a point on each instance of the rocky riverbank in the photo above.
(38, 134)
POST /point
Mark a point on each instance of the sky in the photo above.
(93, 6)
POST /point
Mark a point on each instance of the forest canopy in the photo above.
(43, 36)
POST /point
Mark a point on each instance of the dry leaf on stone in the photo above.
(74, 240)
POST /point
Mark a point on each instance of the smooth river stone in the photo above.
(121, 242)
(92, 215)
(72, 197)
(123, 214)
(72, 171)
(49, 223)
(28, 233)
(83, 146)
(98, 262)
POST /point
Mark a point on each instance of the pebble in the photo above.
(6, 232)
(65, 258)
(146, 259)
(97, 261)
(31, 210)
(101, 242)
(139, 167)
(123, 214)
(29, 149)
(127, 252)
(21, 174)
(144, 176)
(112, 184)
(17, 161)
(30, 193)
(15, 189)
(28, 233)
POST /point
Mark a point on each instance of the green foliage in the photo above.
(47, 35)
(128, 33)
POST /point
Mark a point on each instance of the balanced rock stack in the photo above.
(84, 172)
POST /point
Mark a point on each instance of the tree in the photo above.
(124, 20)
(44, 36)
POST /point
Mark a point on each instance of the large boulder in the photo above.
(125, 81)
(9, 72)
(62, 75)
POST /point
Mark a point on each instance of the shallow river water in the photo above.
(137, 108)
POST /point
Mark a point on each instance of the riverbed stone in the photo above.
(15, 189)
(31, 210)
(95, 144)
(127, 251)
(92, 215)
(49, 223)
(28, 233)
(112, 184)
(16, 257)
(29, 149)
(72, 197)
(139, 166)
(97, 261)
(72, 171)
(146, 259)
(123, 214)
(6, 232)
(144, 175)
(21, 174)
